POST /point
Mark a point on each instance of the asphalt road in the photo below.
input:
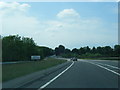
(81, 74)
(86, 74)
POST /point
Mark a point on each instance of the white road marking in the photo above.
(109, 65)
(105, 68)
(112, 66)
(55, 77)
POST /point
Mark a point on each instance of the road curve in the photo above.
(85, 75)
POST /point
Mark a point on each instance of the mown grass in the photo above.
(11, 71)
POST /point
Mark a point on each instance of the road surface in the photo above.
(87, 75)
(81, 74)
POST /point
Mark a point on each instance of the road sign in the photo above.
(35, 57)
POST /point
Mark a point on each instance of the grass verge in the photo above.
(11, 71)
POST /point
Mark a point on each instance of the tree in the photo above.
(57, 51)
(82, 51)
(67, 51)
(16, 48)
(11, 46)
(75, 51)
(108, 51)
(117, 50)
(61, 49)
(99, 50)
(29, 47)
(87, 49)
(44, 51)
(93, 50)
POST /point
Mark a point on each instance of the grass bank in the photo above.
(11, 71)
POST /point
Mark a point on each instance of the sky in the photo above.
(72, 24)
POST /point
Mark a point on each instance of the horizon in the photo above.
(62, 45)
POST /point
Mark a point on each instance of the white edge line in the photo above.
(55, 77)
(106, 68)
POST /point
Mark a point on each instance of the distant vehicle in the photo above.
(74, 59)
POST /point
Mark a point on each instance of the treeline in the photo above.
(87, 52)
(17, 48)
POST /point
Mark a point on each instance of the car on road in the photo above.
(74, 59)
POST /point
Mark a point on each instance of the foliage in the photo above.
(44, 51)
(90, 55)
(16, 48)
(117, 50)
(95, 52)
(59, 50)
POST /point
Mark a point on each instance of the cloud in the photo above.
(19, 24)
(13, 7)
(68, 13)
(69, 28)
(14, 19)
(77, 33)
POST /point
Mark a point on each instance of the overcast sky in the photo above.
(73, 25)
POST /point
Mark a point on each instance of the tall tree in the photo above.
(117, 50)
(67, 51)
(61, 49)
(82, 51)
(11, 47)
(75, 50)
(99, 50)
(87, 49)
(57, 51)
(93, 50)
(107, 51)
